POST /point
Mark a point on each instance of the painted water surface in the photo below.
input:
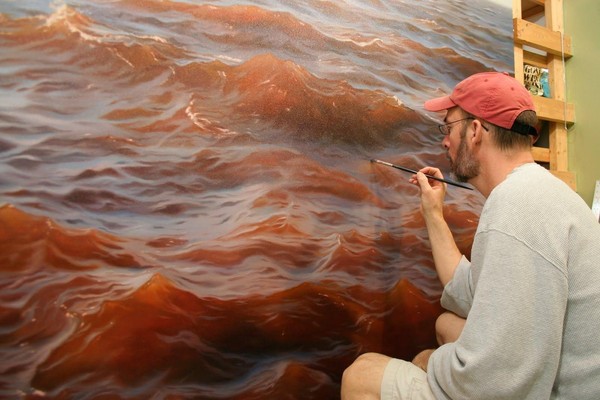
(188, 210)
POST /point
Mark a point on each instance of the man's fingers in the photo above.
(432, 171)
(419, 179)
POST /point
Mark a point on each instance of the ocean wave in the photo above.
(37, 243)
(173, 335)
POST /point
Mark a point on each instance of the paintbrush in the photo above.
(435, 178)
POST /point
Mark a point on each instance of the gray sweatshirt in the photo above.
(531, 296)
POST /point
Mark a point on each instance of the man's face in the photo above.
(463, 164)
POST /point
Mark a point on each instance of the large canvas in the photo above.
(188, 206)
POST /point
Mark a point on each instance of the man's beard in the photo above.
(464, 167)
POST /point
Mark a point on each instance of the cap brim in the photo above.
(439, 104)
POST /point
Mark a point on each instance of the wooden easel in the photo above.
(551, 48)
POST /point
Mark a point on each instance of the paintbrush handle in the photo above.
(435, 178)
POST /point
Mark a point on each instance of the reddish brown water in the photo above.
(188, 206)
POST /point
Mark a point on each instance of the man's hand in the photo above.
(432, 192)
(422, 359)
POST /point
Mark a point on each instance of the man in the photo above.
(524, 313)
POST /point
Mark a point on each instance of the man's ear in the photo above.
(476, 134)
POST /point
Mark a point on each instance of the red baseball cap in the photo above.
(492, 96)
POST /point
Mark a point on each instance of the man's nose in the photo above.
(446, 142)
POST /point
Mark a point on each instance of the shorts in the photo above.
(403, 380)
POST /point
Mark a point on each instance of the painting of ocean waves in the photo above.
(188, 210)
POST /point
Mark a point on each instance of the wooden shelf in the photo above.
(546, 46)
(554, 110)
(531, 34)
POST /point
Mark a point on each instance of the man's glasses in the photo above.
(445, 128)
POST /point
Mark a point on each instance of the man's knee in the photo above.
(362, 379)
(356, 370)
(448, 327)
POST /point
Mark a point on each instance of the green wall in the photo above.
(582, 24)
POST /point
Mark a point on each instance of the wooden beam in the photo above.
(541, 154)
(517, 6)
(559, 157)
(554, 110)
(537, 60)
(517, 47)
(553, 12)
(533, 12)
(542, 38)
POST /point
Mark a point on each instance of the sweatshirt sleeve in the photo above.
(458, 293)
(510, 345)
